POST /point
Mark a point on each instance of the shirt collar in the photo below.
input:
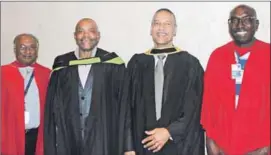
(18, 64)
(93, 52)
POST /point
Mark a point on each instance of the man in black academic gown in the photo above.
(84, 114)
(165, 92)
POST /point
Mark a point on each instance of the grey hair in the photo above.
(25, 34)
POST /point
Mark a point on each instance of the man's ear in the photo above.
(14, 48)
(175, 31)
(74, 35)
(257, 23)
(151, 30)
(99, 35)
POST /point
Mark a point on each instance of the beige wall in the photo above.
(124, 26)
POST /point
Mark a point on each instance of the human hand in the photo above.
(156, 139)
(260, 151)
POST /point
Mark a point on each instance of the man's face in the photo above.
(26, 50)
(243, 25)
(86, 35)
(163, 29)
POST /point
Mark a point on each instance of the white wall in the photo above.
(124, 26)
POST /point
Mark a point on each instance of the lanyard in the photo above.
(237, 57)
(241, 61)
(28, 84)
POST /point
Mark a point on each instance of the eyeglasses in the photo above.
(166, 24)
(245, 20)
(25, 48)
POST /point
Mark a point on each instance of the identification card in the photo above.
(236, 71)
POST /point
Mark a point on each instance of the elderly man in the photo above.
(165, 92)
(236, 104)
(23, 89)
(84, 114)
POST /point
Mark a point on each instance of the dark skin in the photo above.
(26, 50)
(243, 25)
(86, 36)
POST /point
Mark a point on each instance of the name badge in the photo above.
(26, 117)
(236, 71)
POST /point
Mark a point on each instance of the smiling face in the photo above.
(86, 35)
(163, 29)
(243, 25)
(26, 49)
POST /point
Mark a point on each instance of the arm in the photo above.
(4, 103)
(49, 120)
(212, 147)
(128, 142)
(122, 91)
(128, 145)
(56, 63)
(192, 106)
(260, 151)
(188, 119)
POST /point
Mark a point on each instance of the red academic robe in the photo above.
(238, 131)
(12, 108)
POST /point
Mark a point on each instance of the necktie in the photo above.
(159, 82)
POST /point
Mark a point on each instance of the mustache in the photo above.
(239, 30)
(26, 55)
(89, 39)
(162, 32)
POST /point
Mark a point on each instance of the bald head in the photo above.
(86, 34)
(245, 9)
(86, 21)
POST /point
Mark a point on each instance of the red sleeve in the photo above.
(208, 110)
(4, 102)
(264, 131)
(43, 75)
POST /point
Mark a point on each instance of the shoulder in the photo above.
(8, 73)
(140, 56)
(7, 68)
(63, 59)
(187, 59)
(263, 52)
(101, 52)
(109, 57)
(263, 46)
(43, 68)
(66, 56)
(262, 43)
(221, 50)
(187, 56)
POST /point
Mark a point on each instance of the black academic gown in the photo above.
(104, 134)
(182, 98)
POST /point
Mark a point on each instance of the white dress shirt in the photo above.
(32, 100)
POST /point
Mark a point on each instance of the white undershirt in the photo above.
(83, 70)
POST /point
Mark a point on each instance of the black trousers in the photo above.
(30, 141)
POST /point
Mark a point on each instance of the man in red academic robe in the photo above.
(236, 101)
(23, 90)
